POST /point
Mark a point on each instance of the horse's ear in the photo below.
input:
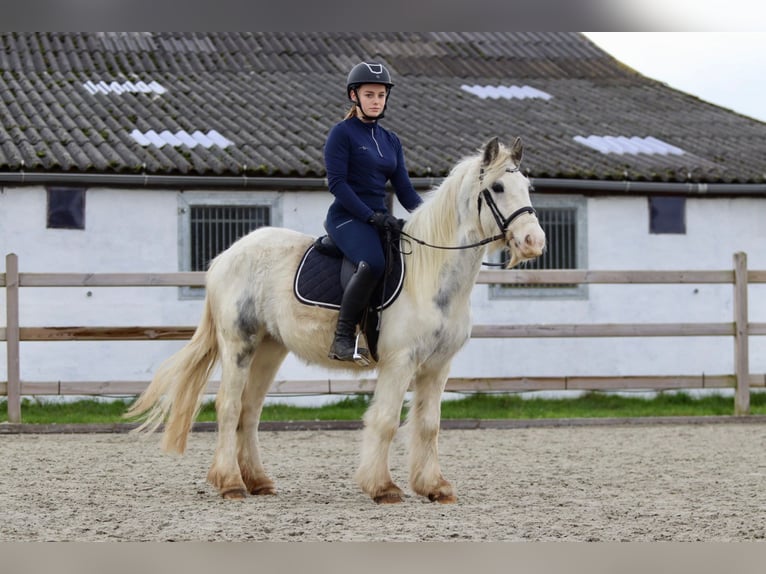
(491, 149)
(517, 150)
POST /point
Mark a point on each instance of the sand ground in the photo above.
(614, 483)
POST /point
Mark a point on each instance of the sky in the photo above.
(724, 68)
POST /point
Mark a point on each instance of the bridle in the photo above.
(502, 222)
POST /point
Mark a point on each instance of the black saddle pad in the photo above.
(318, 280)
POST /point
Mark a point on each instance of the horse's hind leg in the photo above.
(423, 421)
(224, 473)
(268, 357)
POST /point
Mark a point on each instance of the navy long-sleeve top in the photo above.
(360, 158)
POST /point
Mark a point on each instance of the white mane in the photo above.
(437, 221)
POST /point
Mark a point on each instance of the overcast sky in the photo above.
(724, 68)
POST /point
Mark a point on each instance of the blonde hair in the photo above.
(351, 113)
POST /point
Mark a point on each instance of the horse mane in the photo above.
(436, 222)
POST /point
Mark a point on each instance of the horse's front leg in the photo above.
(381, 421)
(423, 423)
(225, 473)
(268, 357)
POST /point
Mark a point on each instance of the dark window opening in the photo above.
(667, 215)
(66, 208)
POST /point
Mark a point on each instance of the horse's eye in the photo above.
(497, 187)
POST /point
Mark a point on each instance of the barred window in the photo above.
(563, 221)
(214, 228)
(209, 222)
(559, 225)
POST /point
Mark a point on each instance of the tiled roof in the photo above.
(262, 103)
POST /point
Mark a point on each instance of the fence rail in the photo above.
(739, 328)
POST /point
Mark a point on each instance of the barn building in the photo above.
(151, 152)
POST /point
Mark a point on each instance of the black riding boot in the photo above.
(352, 306)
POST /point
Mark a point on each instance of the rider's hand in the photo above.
(386, 221)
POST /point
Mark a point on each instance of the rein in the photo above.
(502, 222)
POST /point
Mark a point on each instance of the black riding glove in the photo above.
(386, 221)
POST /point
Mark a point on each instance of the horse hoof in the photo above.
(267, 489)
(388, 498)
(234, 494)
(442, 498)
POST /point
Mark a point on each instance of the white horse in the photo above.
(251, 320)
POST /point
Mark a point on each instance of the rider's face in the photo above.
(371, 98)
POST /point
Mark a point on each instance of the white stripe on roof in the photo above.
(218, 139)
(180, 138)
(155, 138)
(629, 145)
(186, 139)
(203, 139)
(506, 92)
(170, 138)
(140, 138)
(123, 87)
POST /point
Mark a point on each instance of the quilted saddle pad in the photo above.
(318, 279)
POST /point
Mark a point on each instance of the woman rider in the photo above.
(360, 158)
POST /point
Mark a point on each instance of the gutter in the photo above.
(244, 183)
(173, 181)
(232, 183)
(604, 187)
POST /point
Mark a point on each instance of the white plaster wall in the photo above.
(305, 211)
(125, 231)
(619, 238)
(136, 231)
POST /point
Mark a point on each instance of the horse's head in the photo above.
(504, 205)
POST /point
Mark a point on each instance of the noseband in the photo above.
(502, 222)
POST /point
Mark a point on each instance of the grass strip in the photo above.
(476, 406)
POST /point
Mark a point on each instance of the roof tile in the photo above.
(276, 95)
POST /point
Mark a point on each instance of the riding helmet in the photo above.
(368, 73)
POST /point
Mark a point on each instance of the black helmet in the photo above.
(368, 73)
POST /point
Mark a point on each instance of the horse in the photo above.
(251, 321)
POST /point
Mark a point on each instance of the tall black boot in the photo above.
(352, 306)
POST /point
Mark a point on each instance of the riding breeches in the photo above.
(359, 241)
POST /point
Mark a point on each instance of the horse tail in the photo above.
(175, 394)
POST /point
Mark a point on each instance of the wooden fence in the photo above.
(739, 328)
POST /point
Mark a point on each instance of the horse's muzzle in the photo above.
(531, 246)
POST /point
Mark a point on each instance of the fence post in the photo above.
(12, 336)
(741, 334)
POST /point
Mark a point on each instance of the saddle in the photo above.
(324, 272)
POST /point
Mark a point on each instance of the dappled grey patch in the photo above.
(451, 282)
(245, 355)
(247, 320)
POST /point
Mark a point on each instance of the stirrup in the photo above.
(361, 355)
